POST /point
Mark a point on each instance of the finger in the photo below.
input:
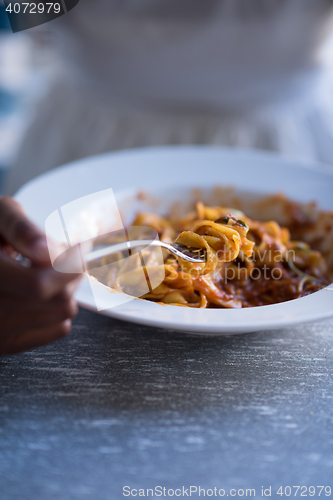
(14, 305)
(10, 304)
(36, 338)
(20, 233)
(43, 318)
(40, 284)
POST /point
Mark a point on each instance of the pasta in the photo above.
(249, 263)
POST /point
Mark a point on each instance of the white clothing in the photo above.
(248, 73)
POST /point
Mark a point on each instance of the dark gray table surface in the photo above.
(117, 404)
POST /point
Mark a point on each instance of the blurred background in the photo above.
(25, 69)
(117, 75)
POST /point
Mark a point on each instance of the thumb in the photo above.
(21, 234)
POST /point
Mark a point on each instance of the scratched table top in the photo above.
(118, 405)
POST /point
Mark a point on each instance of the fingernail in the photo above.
(74, 307)
(68, 325)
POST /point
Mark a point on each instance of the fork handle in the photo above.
(121, 247)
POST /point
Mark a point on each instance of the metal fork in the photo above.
(197, 256)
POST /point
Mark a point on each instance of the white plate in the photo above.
(158, 171)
